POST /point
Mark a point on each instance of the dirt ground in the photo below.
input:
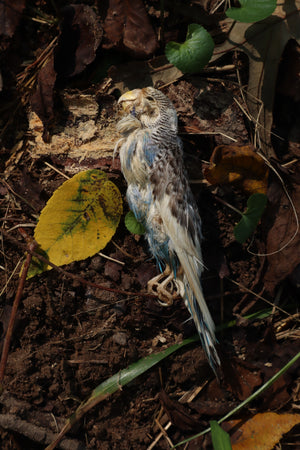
(69, 337)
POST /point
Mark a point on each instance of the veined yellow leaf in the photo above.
(80, 218)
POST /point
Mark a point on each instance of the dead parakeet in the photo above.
(161, 199)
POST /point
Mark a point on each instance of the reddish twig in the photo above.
(14, 311)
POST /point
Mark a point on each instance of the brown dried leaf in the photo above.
(177, 413)
(262, 431)
(127, 24)
(80, 36)
(243, 380)
(283, 263)
(238, 165)
(10, 15)
(41, 100)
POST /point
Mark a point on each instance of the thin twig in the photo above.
(10, 277)
(13, 314)
(111, 259)
(257, 295)
(164, 433)
(18, 195)
(56, 170)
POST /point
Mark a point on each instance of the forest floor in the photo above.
(70, 336)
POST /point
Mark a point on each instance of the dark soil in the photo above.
(70, 337)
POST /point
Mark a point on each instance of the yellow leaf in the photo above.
(261, 432)
(80, 218)
(238, 165)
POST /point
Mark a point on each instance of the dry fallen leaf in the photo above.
(80, 36)
(284, 260)
(127, 24)
(263, 431)
(178, 414)
(41, 100)
(239, 165)
(10, 15)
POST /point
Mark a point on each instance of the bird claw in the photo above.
(165, 287)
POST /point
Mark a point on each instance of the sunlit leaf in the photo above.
(255, 208)
(133, 225)
(194, 53)
(262, 431)
(238, 165)
(252, 10)
(80, 218)
(220, 439)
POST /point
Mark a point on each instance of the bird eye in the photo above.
(150, 98)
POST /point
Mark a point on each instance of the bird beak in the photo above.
(126, 99)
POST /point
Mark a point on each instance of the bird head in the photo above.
(150, 106)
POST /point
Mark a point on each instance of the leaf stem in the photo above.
(229, 205)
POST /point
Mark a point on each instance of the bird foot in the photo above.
(166, 287)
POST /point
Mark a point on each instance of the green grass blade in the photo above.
(115, 383)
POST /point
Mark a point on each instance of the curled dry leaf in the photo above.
(10, 15)
(127, 25)
(41, 100)
(80, 36)
(178, 414)
(282, 263)
(238, 165)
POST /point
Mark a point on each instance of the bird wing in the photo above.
(182, 223)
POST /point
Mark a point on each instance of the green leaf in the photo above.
(220, 439)
(194, 53)
(255, 207)
(133, 225)
(252, 10)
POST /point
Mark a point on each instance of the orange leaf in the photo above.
(263, 431)
(240, 165)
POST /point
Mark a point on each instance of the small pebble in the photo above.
(120, 338)
(97, 263)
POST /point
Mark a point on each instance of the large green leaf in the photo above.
(194, 53)
(252, 10)
(255, 207)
